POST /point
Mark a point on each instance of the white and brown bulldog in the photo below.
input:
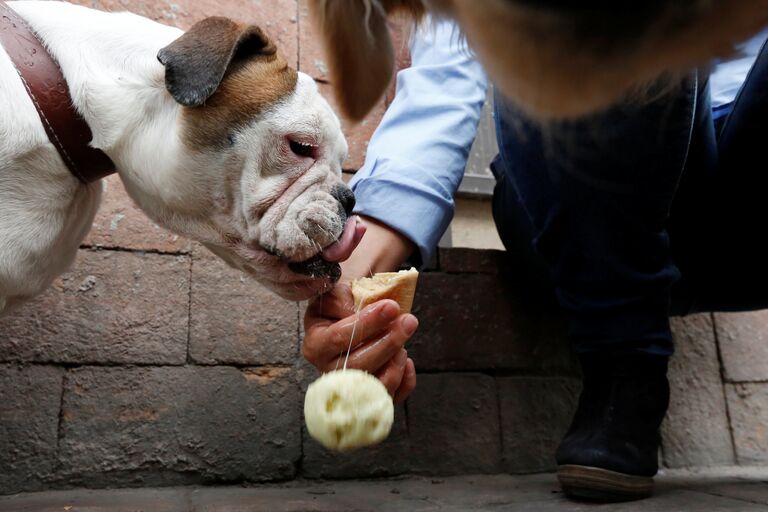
(214, 136)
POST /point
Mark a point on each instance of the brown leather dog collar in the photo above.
(45, 84)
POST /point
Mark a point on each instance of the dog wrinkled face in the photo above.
(257, 178)
(283, 200)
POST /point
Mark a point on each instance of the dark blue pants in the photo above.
(644, 211)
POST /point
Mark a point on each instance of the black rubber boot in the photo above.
(610, 453)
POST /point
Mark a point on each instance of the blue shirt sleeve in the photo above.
(416, 158)
(728, 76)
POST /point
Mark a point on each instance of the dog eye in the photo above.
(301, 149)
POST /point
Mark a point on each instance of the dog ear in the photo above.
(359, 50)
(196, 62)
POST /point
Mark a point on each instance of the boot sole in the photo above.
(596, 484)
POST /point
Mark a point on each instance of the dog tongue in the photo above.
(354, 230)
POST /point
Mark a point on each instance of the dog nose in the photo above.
(345, 197)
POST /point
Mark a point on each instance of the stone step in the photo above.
(714, 490)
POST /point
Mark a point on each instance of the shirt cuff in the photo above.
(412, 202)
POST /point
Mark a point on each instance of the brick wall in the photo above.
(744, 342)
(160, 367)
(154, 365)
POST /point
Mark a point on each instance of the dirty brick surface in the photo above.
(152, 363)
(535, 414)
(743, 339)
(697, 399)
(453, 423)
(111, 307)
(749, 418)
(120, 425)
(233, 319)
(119, 223)
(491, 326)
(30, 401)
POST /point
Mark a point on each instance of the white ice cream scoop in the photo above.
(348, 409)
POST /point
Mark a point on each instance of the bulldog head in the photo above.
(253, 166)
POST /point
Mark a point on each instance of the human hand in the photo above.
(374, 337)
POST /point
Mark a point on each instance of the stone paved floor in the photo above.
(710, 490)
